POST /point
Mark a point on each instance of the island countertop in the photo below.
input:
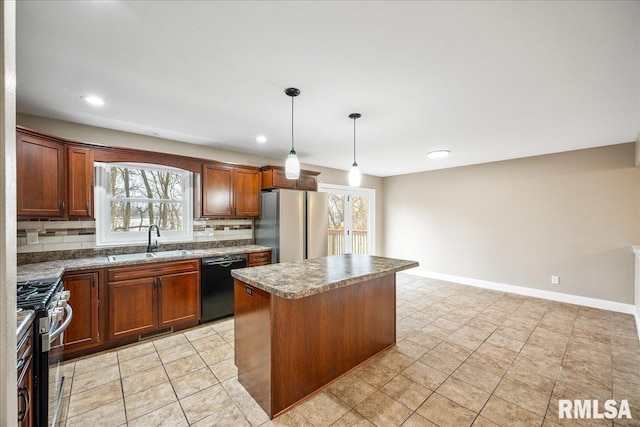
(300, 279)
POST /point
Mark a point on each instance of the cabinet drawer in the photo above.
(259, 258)
(152, 269)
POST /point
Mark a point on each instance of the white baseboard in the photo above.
(637, 314)
(537, 293)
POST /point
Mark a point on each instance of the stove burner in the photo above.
(36, 293)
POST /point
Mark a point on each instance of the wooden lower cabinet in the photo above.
(144, 299)
(255, 259)
(133, 307)
(179, 299)
(85, 330)
(287, 349)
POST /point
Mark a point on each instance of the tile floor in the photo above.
(464, 356)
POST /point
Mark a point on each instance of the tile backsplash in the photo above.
(60, 239)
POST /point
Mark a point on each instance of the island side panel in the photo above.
(317, 339)
(253, 342)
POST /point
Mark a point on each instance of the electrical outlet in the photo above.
(226, 231)
(555, 280)
(32, 237)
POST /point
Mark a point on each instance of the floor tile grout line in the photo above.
(576, 314)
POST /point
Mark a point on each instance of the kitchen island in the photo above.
(301, 325)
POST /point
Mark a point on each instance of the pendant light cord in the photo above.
(354, 140)
(292, 124)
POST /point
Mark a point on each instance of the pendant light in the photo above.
(354, 173)
(292, 164)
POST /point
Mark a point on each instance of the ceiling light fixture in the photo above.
(292, 164)
(261, 139)
(439, 154)
(93, 100)
(354, 174)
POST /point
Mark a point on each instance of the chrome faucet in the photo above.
(151, 247)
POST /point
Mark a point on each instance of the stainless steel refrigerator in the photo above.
(295, 224)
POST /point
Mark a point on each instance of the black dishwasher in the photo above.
(216, 285)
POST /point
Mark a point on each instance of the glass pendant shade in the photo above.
(292, 166)
(354, 176)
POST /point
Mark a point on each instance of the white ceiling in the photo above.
(486, 80)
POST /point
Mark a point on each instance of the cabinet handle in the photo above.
(87, 206)
(159, 282)
(22, 398)
(154, 283)
(61, 207)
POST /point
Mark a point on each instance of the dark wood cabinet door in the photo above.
(179, 299)
(80, 178)
(246, 192)
(133, 307)
(217, 190)
(83, 332)
(41, 183)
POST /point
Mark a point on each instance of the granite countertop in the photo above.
(48, 269)
(24, 319)
(300, 279)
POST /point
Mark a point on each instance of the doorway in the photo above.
(351, 219)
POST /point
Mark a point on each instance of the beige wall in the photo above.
(109, 137)
(517, 222)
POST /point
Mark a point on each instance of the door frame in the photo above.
(356, 191)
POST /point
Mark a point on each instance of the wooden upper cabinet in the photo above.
(274, 177)
(230, 190)
(246, 183)
(217, 190)
(54, 179)
(80, 178)
(41, 177)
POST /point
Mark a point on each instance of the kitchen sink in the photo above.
(147, 255)
(130, 257)
(173, 253)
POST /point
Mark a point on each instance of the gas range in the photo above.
(49, 301)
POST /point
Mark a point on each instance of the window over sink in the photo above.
(130, 197)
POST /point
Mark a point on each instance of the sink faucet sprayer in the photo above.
(151, 247)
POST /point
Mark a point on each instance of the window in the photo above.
(351, 219)
(131, 197)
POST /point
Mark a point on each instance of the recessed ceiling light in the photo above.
(438, 154)
(93, 100)
(261, 139)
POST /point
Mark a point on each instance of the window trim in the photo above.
(104, 237)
